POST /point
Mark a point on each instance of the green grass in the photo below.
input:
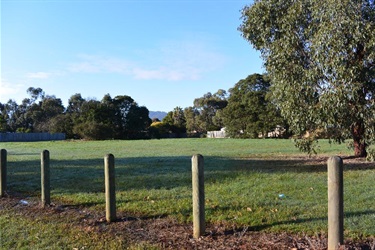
(243, 180)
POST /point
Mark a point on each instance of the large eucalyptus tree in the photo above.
(321, 60)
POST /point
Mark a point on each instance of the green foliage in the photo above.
(248, 112)
(320, 59)
(307, 144)
(158, 130)
(111, 118)
(371, 155)
(173, 124)
(175, 121)
(204, 116)
(191, 115)
(137, 122)
(93, 130)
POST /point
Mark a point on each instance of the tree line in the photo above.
(245, 112)
(111, 118)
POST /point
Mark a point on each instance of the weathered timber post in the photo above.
(198, 195)
(3, 172)
(335, 203)
(110, 191)
(45, 178)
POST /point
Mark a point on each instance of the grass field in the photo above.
(243, 181)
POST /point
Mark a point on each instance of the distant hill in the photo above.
(157, 114)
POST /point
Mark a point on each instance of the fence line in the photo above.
(335, 193)
(26, 137)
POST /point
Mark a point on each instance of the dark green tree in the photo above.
(175, 121)
(321, 61)
(75, 103)
(208, 105)
(120, 107)
(137, 122)
(34, 113)
(35, 94)
(43, 112)
(179, 119)
(248, 112)
(10, 113)
(113, 118)
(191, 116)
(94, 122)
(3, 119)
(20, 119)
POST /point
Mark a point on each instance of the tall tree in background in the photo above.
(137, 122)
(321, 61)
(191, 116)
(248, 112)
(175, 122)
(93, 122)
(3, 118)
(208, 106)
(110, 118)
(44, 112)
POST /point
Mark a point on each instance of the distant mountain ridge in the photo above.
(157, 114)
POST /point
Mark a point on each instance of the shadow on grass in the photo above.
(297, 221)
(87, 175)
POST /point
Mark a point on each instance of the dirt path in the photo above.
(168, 234)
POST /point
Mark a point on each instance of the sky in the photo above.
(162, 53)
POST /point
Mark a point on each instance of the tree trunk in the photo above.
(358, 132)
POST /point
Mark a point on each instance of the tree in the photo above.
(111, 118)
(208, 106)
(248, 112)
(75, 103)
(94, 122)
(179, 119)
(3, 118)
(137, 122)
(191, 116)
(321, 61)
(10, 113)
(175, 121)
(44, 112)
(35, 94)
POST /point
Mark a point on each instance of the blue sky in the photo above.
(162, 53)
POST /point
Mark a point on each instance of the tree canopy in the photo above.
(207, 110)
(248, 112)
(111, 118)
(321, 61)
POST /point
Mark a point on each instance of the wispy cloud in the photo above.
(100, 64)
(172, 61)
(9, 90)
(161, 73)
(39, 75)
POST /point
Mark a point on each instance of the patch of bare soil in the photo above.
(166, 233)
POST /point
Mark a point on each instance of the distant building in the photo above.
(278, 132)
(216, 134)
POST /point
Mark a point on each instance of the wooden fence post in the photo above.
(45, 178)
(198, 195)
(3, 172)
(335, 203)
(110, 191)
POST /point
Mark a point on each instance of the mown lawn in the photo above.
(243, 181)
